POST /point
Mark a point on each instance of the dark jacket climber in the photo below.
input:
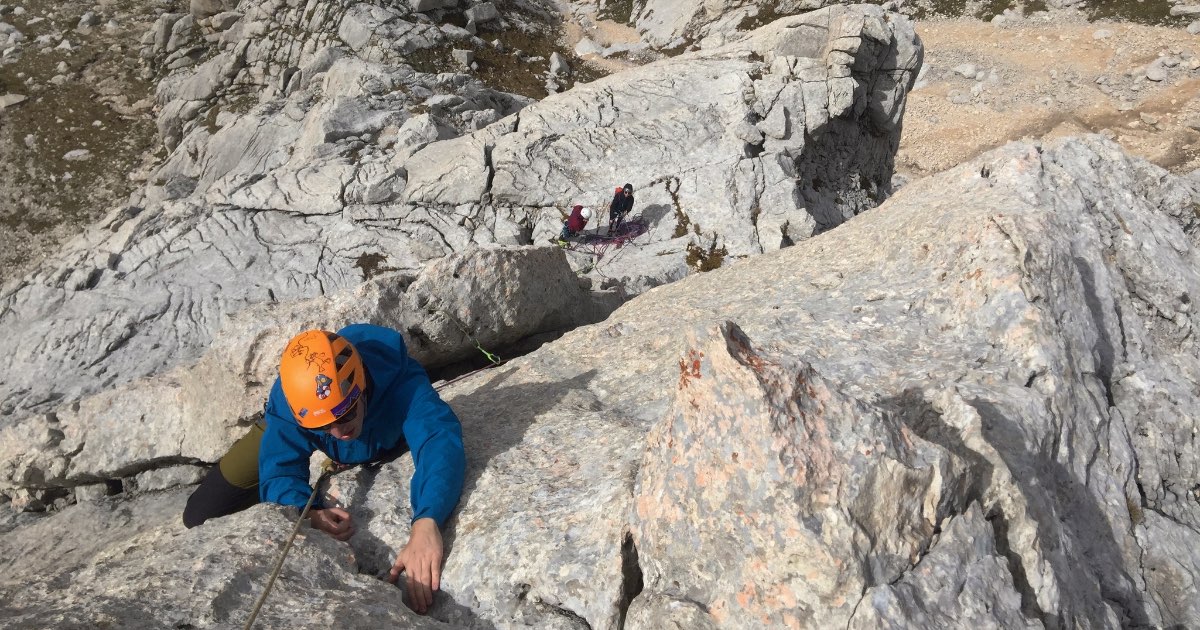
(621, 205)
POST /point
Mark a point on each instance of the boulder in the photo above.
(482, 13)
(201, 9)
(559, 65)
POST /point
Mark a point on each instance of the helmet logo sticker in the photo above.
(323, 383)
(303, 412)
(318, 359)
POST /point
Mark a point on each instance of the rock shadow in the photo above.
(495, 418)
(653, 214)
(1054, 495)
(374, 556)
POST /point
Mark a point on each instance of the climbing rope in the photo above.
(329, 472)
(598, 245)
(329, 469)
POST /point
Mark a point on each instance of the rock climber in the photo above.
(620, 206)
(358, 397)
(575, 223)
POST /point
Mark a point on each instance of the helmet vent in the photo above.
(343, 356)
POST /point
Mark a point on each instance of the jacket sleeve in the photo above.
(283, 464)
(434, 437)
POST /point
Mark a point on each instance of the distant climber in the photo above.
(575, 223)
(620, 206)
(358, 397)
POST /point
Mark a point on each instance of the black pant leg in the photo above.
(214, 497)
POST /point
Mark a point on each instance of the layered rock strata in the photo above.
(148, 434)
(976, 396)
(363, 168)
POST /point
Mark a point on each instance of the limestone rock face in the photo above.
(760, 467)
(670, 24)
(974, 396)
(306, 196)
(152, 572)
(490, 298)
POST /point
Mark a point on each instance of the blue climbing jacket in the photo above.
(402, 407)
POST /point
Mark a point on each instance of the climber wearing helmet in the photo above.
(575, 223)
(358, 397)
(620, 206)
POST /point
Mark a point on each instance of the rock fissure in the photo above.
(1016, 567)
(631, 578)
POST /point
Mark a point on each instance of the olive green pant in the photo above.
(230, 486)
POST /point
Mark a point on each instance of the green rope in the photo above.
(490, 357)
(495, 360)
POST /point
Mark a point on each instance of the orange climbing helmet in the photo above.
(322, 376)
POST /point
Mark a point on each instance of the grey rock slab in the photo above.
(962, 580)
(8, 100)
(656, 133)
(206, 577)
(1016, 299)
(525, 547)
(755, 442)
(1006, 339)
(482, 13)
(68, 540)
(222, 21)
(169, 477)
(1171, 567)
(490, 297)
(208, 8)
(284, 204)
(360, 23)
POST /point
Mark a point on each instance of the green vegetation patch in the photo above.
(1033, 6)
(1149, 12)
(510, 73)
(702, 259)
(620, 11)
(942, 8)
